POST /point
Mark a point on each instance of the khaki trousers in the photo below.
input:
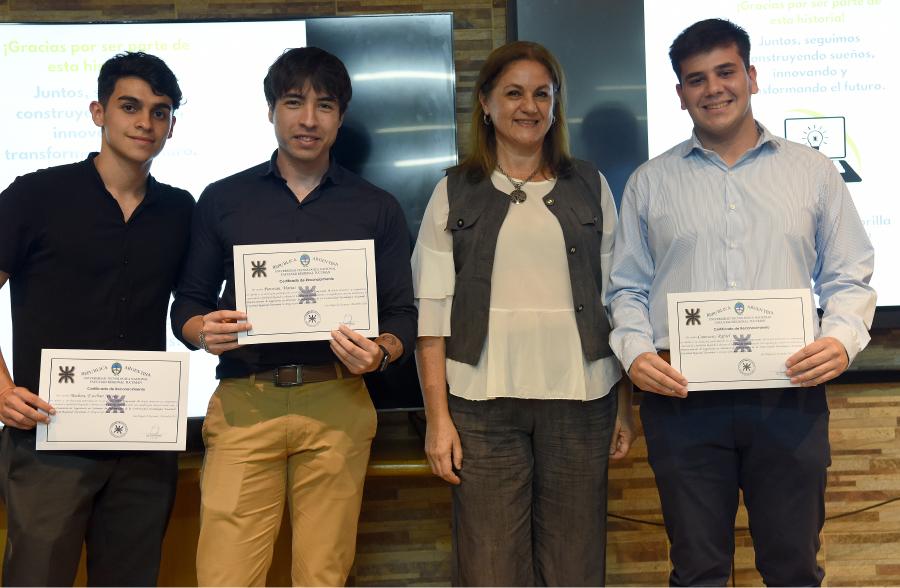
(307, 445)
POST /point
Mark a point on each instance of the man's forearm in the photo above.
(6, 380)
(393, 345)
(190, 332)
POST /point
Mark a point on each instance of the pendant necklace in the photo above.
(517, 196)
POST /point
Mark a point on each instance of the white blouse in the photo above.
(533, 349)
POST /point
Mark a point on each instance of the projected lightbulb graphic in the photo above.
(825, 134)
(815, 138)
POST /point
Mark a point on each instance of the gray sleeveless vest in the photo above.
(477, 210)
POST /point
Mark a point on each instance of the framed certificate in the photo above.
(303, 291)
(114, 400)
(738, 339)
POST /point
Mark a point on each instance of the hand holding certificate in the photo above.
(738, 339)
(114, 400)
(303, 291)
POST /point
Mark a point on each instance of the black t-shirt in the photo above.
(80, 276)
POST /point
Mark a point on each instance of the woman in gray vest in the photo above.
(509, 268)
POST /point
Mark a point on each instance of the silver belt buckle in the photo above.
(298, 376)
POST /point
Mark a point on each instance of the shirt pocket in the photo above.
(463, 218)
(464, 222)
(589, 225)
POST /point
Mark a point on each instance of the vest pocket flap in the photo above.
(460, 218)
(586, 216)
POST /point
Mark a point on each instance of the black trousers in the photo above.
(118, 503)
(770, 444)
(531, 506)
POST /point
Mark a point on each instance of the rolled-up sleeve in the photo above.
(202, 272)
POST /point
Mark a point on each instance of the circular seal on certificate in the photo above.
(118, 429)
(746, 367)
(312, 318)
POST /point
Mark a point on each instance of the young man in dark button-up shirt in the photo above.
(92, 251)
(269, 438)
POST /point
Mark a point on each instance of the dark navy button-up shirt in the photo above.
(256, 206)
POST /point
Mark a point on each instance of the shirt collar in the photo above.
(333, 174)
(149, 192)
(765, 138)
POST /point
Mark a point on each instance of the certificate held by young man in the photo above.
(114, 400)
(738, 339)
(303, 291)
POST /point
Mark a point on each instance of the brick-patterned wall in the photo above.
(404, 532)
(858, 550)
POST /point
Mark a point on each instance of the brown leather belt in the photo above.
(297, 374)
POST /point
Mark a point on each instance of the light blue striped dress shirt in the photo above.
(780, 217)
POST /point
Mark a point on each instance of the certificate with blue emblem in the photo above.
(303, 291)
(114, 400)
(738, 339)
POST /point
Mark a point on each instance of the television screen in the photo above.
(399, 131)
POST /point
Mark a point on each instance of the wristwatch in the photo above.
(385, 360)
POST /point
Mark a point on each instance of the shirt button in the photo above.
(125, 261)
(579, 308)
(123, 299)
(733, 284)
(121, 335)
(731, 206)
(732, 244)
(571, 250)
(459, 222)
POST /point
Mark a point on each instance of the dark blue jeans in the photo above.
(770, 444)
(531, 506)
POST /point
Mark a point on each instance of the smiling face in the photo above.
(306, 125)
(715, 89)
(520, 105)
(135, 122)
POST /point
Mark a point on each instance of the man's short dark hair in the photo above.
(295, 68)
(138, 64)
(706, 35)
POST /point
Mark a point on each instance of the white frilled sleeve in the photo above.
(434, 275)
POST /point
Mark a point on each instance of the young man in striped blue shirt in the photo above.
(735, 207)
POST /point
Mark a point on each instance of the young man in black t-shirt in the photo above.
(92, 251)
